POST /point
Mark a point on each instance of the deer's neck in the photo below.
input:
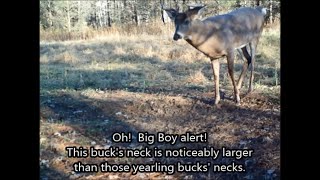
(206, 38)
(198, 33)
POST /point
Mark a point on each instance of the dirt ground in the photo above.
(89, 119)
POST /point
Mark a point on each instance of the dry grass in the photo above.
(152, 28)
(126, 61)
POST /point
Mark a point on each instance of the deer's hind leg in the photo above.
(230, 61)
(253, 46)
(244, 67)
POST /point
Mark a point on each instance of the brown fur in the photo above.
(219, 36)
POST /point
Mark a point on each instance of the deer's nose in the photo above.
(176, 37)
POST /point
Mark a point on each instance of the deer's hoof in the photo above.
(237, 99)
(216, 101)
(217, 106)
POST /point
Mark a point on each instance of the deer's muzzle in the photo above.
(176, 37)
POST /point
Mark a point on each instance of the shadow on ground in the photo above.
(230, 126)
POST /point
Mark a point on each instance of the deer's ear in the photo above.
(171, 13)
(195, 12)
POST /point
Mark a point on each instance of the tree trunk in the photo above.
(271, 15)
(99, 15)
(105, 9)
(68, 16)
(257, 2)
(108, 14)
(49, 20)
(119, 11)
(79, 11)
(114, 11)
(238, 4)
(135, 16)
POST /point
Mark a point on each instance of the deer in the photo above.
(219, 36)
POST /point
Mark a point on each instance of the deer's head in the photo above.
(183, 21)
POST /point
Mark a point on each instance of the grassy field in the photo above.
(139, 82)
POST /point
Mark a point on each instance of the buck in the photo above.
(219, 36)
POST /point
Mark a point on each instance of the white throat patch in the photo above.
(188, 37)
(183, 36)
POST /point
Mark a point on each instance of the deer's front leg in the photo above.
(215, 68)
(253, 46)
(245, 66)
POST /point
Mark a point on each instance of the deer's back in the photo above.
(243, 24)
